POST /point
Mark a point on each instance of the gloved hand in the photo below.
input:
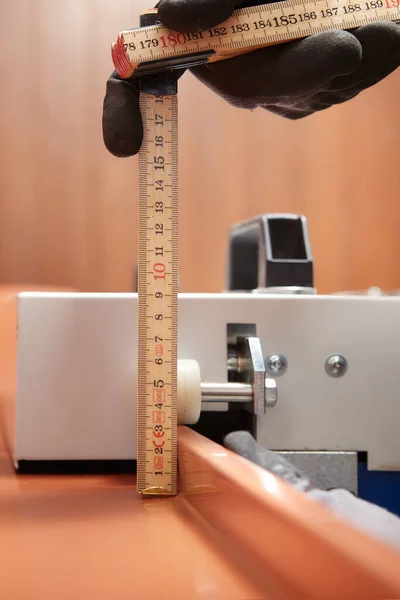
(293, 79)
(372, 519)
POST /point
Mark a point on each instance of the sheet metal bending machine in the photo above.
(315, 377)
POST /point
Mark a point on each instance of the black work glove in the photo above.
(293, 79)
(370, 518)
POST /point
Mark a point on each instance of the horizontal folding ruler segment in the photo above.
(155, 48)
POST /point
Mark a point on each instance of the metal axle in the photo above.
(237, 392)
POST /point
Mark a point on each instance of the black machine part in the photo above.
(270, 252)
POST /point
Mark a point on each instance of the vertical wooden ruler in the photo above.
(158, 288)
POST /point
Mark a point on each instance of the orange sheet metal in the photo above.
(289, 546)
(234, 532)
(80, 537)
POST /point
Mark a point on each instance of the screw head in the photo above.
(336, 365)
(276, 364)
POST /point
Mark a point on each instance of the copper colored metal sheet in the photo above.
(79, 537)
(93, 537)
(234, 532)
(290, 546)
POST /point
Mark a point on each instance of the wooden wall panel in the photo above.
(68, 208)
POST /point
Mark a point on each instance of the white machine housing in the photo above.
(77, 362)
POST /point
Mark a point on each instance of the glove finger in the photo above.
(243, 443)
(292, 113)
(189, 16)
(193, 15)
(328, 99)
(380, 56)
(285, 71)
(122, 121)
(343, 95)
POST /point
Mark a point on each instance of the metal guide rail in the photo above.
(155, 47)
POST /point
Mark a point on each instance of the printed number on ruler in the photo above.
(248, 29)
(157, 297)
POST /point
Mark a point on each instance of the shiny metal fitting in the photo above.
(336, 365)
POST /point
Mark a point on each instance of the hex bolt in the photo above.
(336, 365)
(271, 393)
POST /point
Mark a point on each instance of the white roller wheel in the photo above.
(189, 392)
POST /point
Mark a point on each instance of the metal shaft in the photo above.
(226, 392)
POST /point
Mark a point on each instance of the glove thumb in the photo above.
(188, 16)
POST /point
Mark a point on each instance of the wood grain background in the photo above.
(68, 208)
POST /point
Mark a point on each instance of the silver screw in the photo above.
(336, 365)
(276, 364)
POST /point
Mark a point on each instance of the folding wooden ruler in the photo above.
(153, 52)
